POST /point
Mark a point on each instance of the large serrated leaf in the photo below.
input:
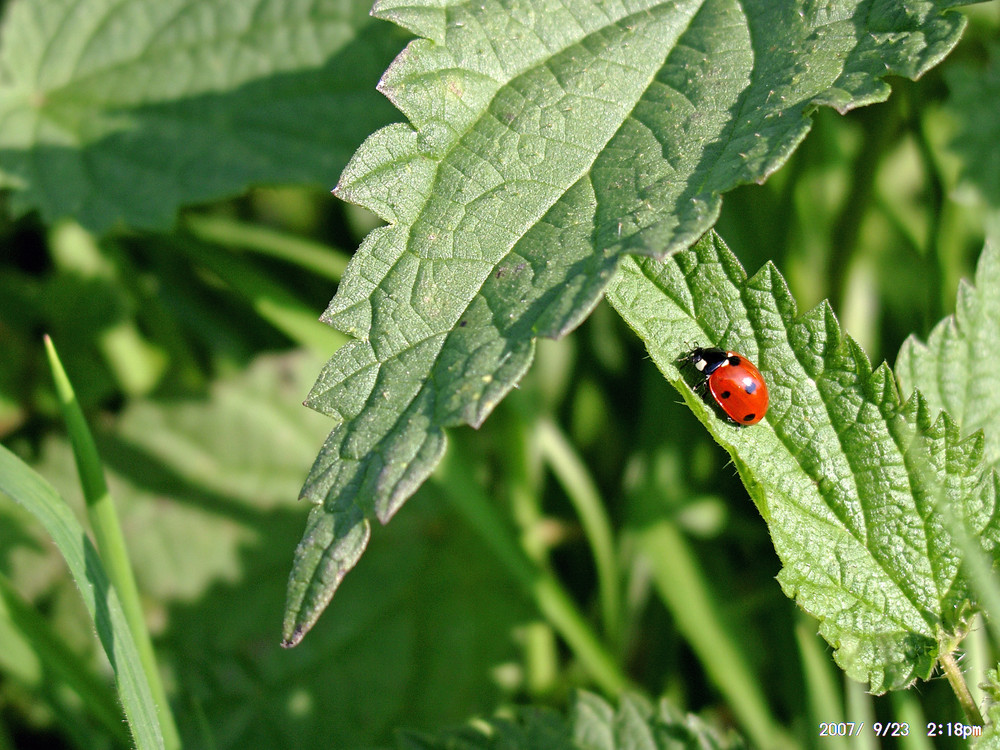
(549, 139)
(123, 111)
(956, 370)
(857, 488)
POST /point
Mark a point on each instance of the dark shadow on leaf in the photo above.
(410, 640)
(298, 127)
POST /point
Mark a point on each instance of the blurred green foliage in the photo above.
(195, 396)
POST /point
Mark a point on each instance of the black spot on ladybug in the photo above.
(749, 417)
(724, 394)
(735, 361)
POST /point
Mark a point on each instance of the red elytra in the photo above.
(735, 383)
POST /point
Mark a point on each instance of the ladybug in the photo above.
(734, 381)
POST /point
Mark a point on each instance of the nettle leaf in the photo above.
(124, 110)
(956, 370)
(547, 140)
(857, 487)
(593, 723)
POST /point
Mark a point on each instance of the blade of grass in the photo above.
(30, 490)
(320, 259)
(459, 487)
(860, 708)
(273, 303)
(907, 710)
(110, 540)
(60, 660)
(206, 740)
(821, 685)
(524, 479)
(583, 494)
(688, 596)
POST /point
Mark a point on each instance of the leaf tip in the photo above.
(331, 546)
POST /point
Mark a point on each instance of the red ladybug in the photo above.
(734, 382)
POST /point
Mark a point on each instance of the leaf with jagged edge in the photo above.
(547, 140)
(956, 370)
(857, 487)
(593, 723)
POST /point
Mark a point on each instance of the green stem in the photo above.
(110, 540)
(847, 228)
(957, 681)
(583, 494)
(935, 216)
(315, 257)
(458, 486)
(978, 567)
(524, 477)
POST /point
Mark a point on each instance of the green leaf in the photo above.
(956, 370)
(593, 723)
(30, 490)
(547, 140)
(123, 111)
(991, 687)
(857, 488)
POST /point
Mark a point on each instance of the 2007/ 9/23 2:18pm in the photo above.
(898, 729)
